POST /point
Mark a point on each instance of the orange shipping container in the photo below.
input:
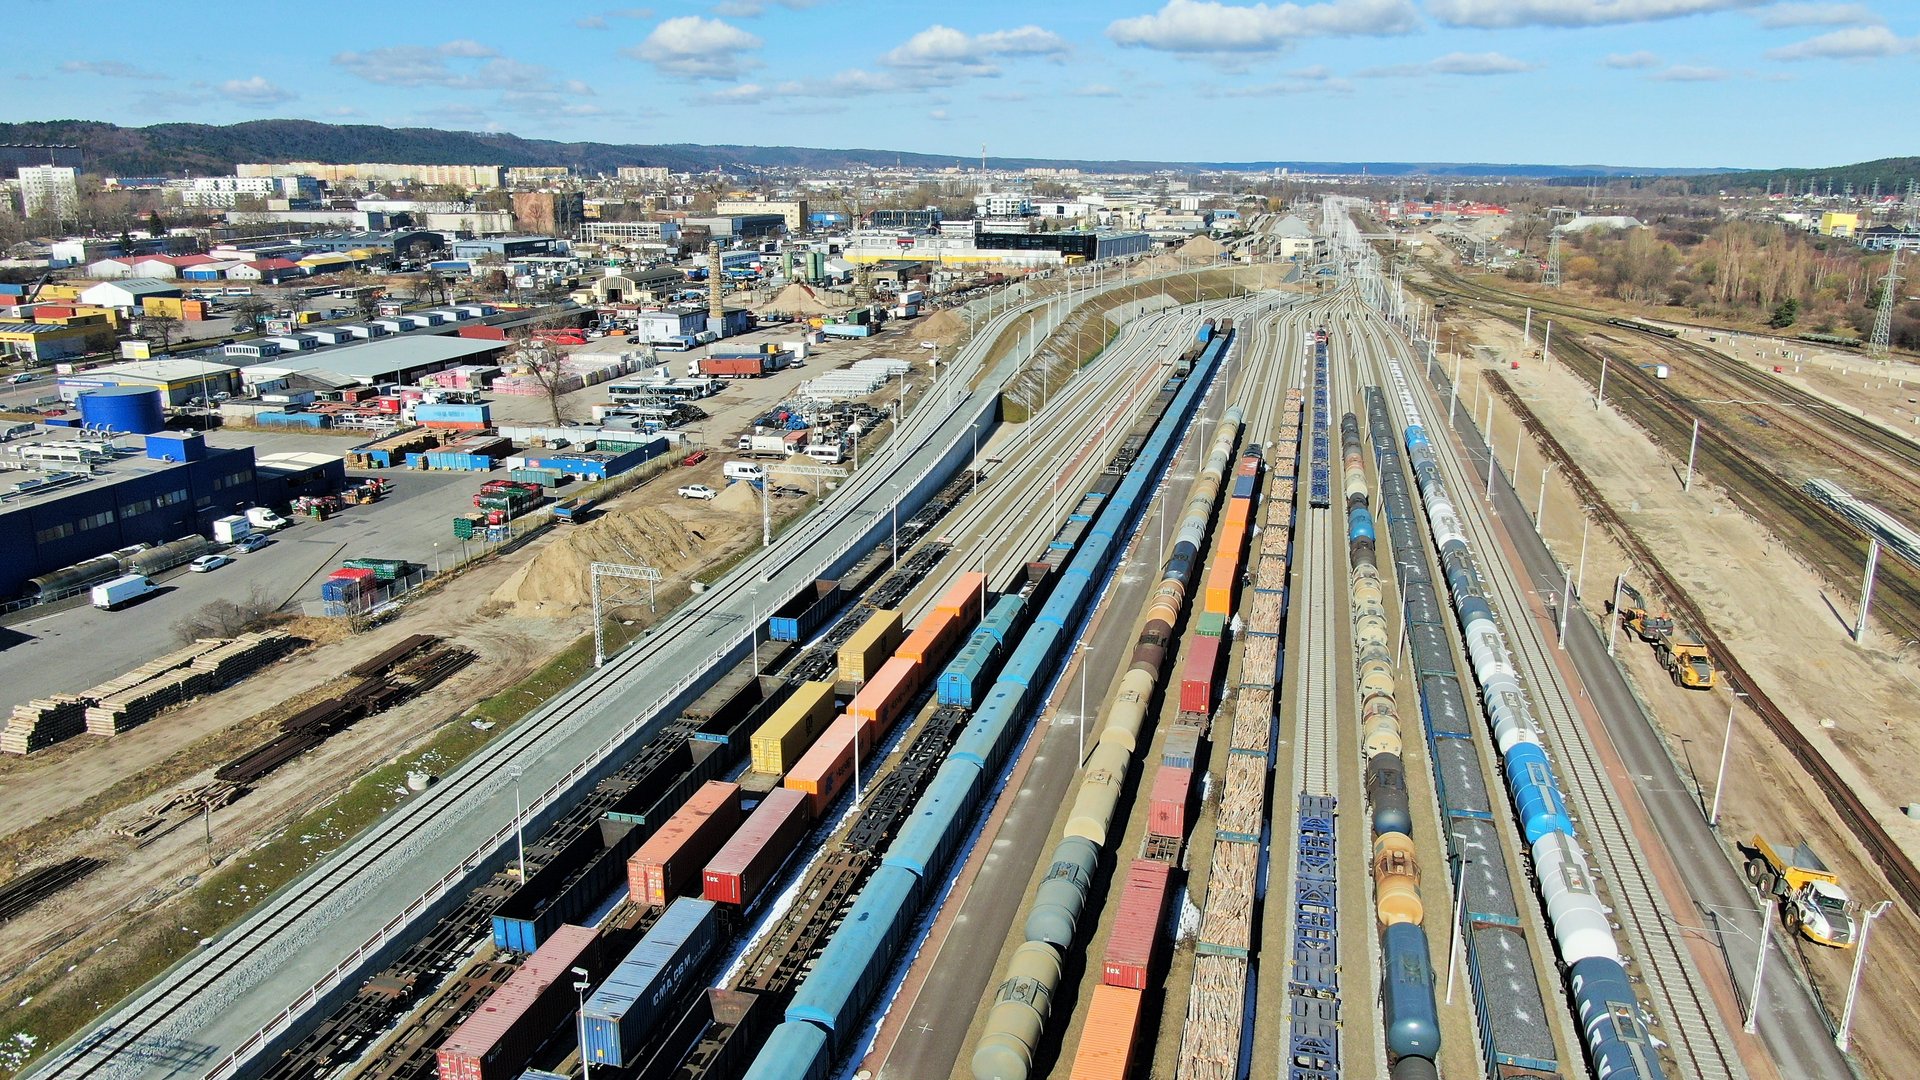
(1106, 1043)
(880, 702)
(934, 639)
(1237, 511)
(965, 594)
(825, 770)
(1224, 577)
(669, 863)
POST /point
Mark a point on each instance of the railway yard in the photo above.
(1240, 711)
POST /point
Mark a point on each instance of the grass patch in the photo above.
(89, 978)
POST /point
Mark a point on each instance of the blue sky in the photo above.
(1635, 82)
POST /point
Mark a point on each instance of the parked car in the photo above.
(24, 376)
(252, 542)
(929, 344)
(207, 564)
(633, 339)
(698, 491)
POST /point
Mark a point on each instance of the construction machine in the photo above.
(1812, 901)
(1688, 663)
(1648, 626)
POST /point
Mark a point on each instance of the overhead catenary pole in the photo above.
(1459, 919)
(1600, 392)
(1540, 506)
(1613, 620)
(1693, 446)
(1840, 1038)
(1866, 589)
(1546, 344)
(1760, 964)
(1726, 745)
(1526, 332)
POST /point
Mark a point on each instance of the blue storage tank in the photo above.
(794, 1051)
(134, 409)
(1406, 992)
(1536, 796)
(857, 960)
(634, 999)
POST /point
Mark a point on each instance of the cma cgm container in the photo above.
(779, 742)
(1196, 674)
(640, 993)
(1136, 924)
(668, 864)
(497, 1040)
(1106, 1043)
(758, 851)
(870, 646)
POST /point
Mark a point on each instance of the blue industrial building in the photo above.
(176, 487)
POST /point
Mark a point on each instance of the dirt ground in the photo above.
(1851, 701)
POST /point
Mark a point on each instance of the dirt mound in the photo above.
(798, 299)
(1201, 247)
(944, 326)
(739, 498)
(556, 582)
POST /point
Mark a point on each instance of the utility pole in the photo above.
(1600, 392)
(1692, 447)
(1759, 965)
(1882, 338)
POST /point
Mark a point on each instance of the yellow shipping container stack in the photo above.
(779, 742)
(870, 646)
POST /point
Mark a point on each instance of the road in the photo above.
(209, 1012)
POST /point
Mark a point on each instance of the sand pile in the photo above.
(944, 326)
(556, 580)
(798, 299)
(1202, 247)
(739, 497)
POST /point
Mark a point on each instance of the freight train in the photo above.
(1319, 465)
(1411, 1020)
(1609, 1014)
(1645, 328)
(1023, 1006)
(826, 1010)
(1515, 1036)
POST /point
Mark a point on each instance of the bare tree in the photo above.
(160, 329)
(547, 366)
(248, 312)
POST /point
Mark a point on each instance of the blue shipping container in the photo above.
(966, 678)
(792, 1052)
(860, 955)
(457, 414)
(286, 419)
(1003, 618)
(635, 998)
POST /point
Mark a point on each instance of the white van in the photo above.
(825, 453)
(743, 470)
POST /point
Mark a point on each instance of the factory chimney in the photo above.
(716, 316)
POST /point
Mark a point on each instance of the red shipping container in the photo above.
(1167, 807)
(1196, 674)
(486, 333)
(668, 865)
(735, 367)
(758, 851)
(884, 697)
(497, 1040)
(1136, 925)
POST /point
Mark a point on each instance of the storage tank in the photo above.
(155, 559)
(134, 409)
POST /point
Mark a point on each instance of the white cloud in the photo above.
(943, 46)
(112, 69)
(1096, 90)
(938, 115)
(1858, 43)
(1498, 14)
(602, 21)
(1632, 61)
(1312, 81)
(1487, 63)
(255, 91)
(1689, 73)
(1817, 14)
(426, 65)
(752, 9)
(1199, 26)
(697, 48)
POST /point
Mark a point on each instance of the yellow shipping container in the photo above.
(779, 742)
(870, 646)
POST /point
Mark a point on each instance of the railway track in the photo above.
(29, 889)
(1682, 1005)
(1886, 853)
(1829, 544)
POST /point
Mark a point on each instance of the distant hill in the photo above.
(1892, 173)
(169, 149)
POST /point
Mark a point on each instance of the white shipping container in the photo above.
(231, 529)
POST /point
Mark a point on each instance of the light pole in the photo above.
(1859, 961)
(1459, 920)
(581, 981)
(1760, 964)
(1726, 743)
(519, 831)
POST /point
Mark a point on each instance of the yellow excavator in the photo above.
(1648, 626)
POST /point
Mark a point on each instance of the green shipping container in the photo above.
(1213, 624)
(383, 569)
(544, 477)
(465, 525)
